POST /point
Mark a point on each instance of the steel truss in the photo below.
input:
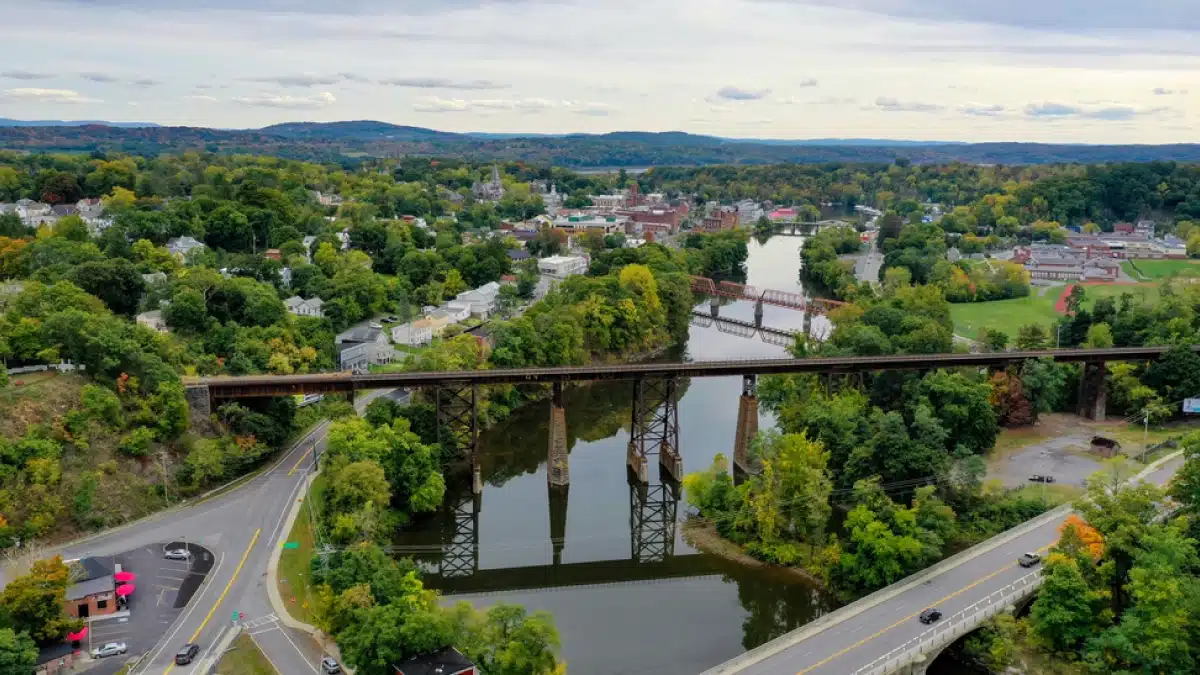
(652, 510)
(460, 554)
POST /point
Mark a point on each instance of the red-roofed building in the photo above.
(781, 215)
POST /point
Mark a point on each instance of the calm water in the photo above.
(628, 594)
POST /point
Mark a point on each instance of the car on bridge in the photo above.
(1029, 559)
(930, 615)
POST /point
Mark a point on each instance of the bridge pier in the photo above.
(460, 557)
(458, 426)
(714, 305)
(655, 429)
(1093, 391)
(199, 400)
(558, 468)
(808, 314)
(747, 423)
(652, 511)
(758, 313)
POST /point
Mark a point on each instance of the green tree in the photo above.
(18, 653)
(1032, 337)
(33, 604)
(509, 642)
(1066, 609)
(1099, 336)
(115, 281)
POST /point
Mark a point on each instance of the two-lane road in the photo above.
(845, 647)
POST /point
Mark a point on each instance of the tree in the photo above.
(18, 653)
(1186, 486)
(115, 281)
(33, 603)
(71, 227)
(509, 642)
(59, 187)
(1066, 609)
(187, 312)
(228, 228)
(1032, 337)
(1099, 336)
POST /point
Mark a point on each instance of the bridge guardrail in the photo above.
(960, 623)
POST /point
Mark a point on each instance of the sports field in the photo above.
(1010, 315)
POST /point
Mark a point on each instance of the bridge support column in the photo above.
(652, 510)
(714, 305)
(199, 400)
(558, 468)
(758, 313)
(655, 428)
(458, 426)
(1093, 391)
(460, 555)
(558, 519)
(808, 317)
(747, 423)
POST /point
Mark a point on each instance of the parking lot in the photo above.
(163, 589)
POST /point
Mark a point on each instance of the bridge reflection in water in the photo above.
(653, 530)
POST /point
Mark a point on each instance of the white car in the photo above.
(110, 649)
(179, 554)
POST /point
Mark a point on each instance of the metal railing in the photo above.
(960, 623)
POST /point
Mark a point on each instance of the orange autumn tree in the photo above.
(1088, 537)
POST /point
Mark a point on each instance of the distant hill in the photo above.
(347, 142)
(6, 122)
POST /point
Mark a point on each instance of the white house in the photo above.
(413, 333)
(482, 300)
(34, 213)
(153, 320)
(182, 246)
(298, 306)
(154, 279)
(562, 266)
(285, 276)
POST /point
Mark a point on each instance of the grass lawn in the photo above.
(245, 658)
(1004, 315)
(1160, 269)
(1141, 292)
(294, 563)
(1055, 494)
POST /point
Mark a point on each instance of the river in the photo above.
(608, 560)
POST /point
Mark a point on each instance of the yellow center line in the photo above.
(297, 464)
(221, 597)
(910, 617)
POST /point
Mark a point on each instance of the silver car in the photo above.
(179, 554)
(110, 649)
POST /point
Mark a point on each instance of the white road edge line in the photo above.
(297, 648)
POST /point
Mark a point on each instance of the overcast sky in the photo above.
(1096, 71)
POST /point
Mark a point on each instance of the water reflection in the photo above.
(606, 554)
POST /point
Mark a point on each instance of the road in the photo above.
(239, 527)
(845, 647)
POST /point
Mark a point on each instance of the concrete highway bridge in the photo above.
(654, 395)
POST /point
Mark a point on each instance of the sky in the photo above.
(1086, 71)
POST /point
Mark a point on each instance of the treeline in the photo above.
(820, 262)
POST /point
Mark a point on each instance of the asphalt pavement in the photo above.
(856, 642)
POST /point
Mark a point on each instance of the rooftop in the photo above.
(442, 662)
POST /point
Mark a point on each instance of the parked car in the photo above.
(178, 554)
(330, 666)
(1029, 559)
(109, 649)
(1039, 478)
(376, 326)
(187, 653)
(930, 615)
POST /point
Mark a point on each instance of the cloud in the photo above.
(55, 96)
(1159, 91)
(103, 78)
(739, 94)
(810, 82)
(435, 104)
(145, 82)
(1112, 113)
(265, 100)
(440, 105)
(981, 110)
(892, 105)
(442, 83)
(302, 79)
(203, 98)
(24, 75)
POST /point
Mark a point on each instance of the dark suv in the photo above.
(185, 655)
(930, 615)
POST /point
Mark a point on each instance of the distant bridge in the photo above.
(775, 336)
(767, 296)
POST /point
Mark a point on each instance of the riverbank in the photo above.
(702, 536)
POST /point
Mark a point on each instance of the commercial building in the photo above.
(719, 219)
(562, 266)
(1062, 263)
(93, 590)
(446, 661)
(578, 223)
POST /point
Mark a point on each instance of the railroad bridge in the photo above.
(654, 395)
(715, 290)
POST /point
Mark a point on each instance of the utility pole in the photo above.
(1145, 434)
(162, 457)
(1058, 339)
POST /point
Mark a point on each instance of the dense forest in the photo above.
(345, 142)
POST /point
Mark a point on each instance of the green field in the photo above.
(1161, 269)
(1004, 315)
(245, 658)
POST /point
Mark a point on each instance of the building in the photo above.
(93, 590)
(718, 220)
(1128, 245)
(273, 254)
(749, 211)
(562, 266)
(656, 219)
(446, 661)
(182, 246)
(154, 321)
(363, 346)
(414, 333)
(285, 277)
(518, 254)
(952, 254)
(481, 301)
(327, 199)
(609, 202)
(784, 215)
(449, 195)
(154, 279)
(491, 191)
(298, 306)
(1062, 263)
(579, 223)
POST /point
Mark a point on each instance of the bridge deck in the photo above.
(282, 385)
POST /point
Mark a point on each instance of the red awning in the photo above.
(124, 577)
(76, 637)
(124, 590)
